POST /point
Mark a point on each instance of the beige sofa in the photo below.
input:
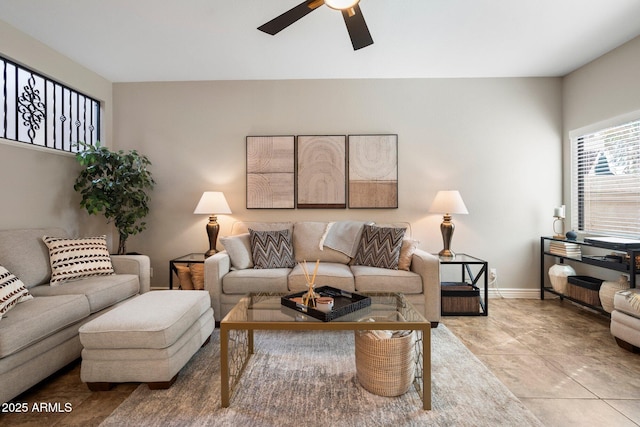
(40, 336)
(227, 282)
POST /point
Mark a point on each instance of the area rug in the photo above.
(308, 379)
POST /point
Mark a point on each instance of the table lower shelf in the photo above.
(461, 299)
(562, 296)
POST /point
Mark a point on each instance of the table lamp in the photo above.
(447, 203)
(212, 203)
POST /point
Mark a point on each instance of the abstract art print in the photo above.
(373, 171)
(321, 182)
(271, 172)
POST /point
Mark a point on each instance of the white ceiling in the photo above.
(164, 40)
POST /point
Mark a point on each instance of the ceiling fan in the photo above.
(356, 25)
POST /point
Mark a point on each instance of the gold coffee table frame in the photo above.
(263, 311)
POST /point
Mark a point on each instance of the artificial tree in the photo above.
(115, 184)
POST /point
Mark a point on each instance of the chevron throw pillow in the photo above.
(12, 291)
(379, 247)
(272, 249)
(73, 259)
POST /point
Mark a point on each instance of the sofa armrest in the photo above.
(428, 267)
(140, 265)
(215, 268)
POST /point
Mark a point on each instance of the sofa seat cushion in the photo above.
(255, 280)
(374, 279)
(332, 274)
(101, 291)
(307, 239)
(38, 318)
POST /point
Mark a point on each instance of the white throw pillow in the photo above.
(12, 291)
(239, 249)
(73, 259)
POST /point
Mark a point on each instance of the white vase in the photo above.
(558, 276)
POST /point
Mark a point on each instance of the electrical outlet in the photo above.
(151, 272)
(493, 274)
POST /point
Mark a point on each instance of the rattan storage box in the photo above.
(459, 298)
(585, 289)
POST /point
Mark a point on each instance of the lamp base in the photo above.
(446, 253)
(447, 228)
(210, 252)
(212, 233)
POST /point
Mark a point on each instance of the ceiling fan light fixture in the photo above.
(341, 4)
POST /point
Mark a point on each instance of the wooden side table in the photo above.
(185, 259)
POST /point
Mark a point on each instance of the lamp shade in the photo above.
(341, 4)
(448, 202)
(212, 202)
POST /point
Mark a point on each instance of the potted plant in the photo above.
(115, 184)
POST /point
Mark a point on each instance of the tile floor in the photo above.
(559, 359)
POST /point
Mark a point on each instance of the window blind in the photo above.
(606, 180)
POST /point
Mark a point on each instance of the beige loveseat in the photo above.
(39, 336)
(228, 278)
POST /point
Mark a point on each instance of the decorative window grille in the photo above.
(41, 112)
(606, 180)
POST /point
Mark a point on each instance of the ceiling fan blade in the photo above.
(357, 27)
(281, 22)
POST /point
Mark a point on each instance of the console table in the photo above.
(594, 256)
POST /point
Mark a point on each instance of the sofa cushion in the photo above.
(100, 291)
(12, 291)
(184, 277)
(18, 245)
(196, 270)
(307, 244)
(407, 250)
(329, 274)
(271, 249)
(73, 259)
(379, 247)
(239, 250)
(38, 318)
(252, 280)
(373, 279)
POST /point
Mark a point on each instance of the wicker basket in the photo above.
(385, 366)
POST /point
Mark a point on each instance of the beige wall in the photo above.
(498, 141)
(36, 185)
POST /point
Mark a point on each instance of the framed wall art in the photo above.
(373, 171)
(321, 176)
(271, 172)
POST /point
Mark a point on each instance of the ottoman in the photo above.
(625, 319)
(147, 339)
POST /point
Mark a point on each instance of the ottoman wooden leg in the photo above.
(99, 386)
(162, 385)
(206, 342)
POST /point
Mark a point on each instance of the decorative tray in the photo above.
(344, 302)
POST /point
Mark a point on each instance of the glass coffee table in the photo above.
(263, 311)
